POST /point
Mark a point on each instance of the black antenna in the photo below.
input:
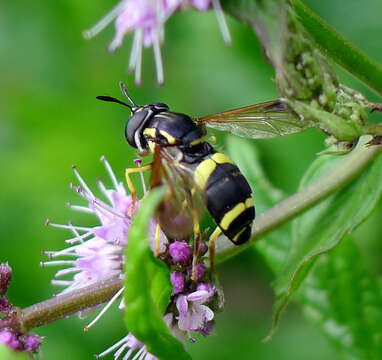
(111, 99)
(124, 90)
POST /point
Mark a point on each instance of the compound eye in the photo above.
(160, 106)
(134, 125)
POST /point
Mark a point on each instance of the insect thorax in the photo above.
(173, 129)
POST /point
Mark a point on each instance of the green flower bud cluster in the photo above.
(311, 89)
(305, 80)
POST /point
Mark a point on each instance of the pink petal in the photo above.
(182, 305)
(199, 295)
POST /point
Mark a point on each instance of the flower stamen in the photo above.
(69, 227)
(112, 348)
(222, 22)
(105, 308)
(104, 22)
(82, 182)
(56, 262)
(138, 57)
(79, 208)
(158, 58)
(110, 172)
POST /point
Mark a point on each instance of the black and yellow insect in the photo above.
(177, 143)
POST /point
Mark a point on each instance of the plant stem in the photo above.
(301, 201)
(69, 303)
(100, 292)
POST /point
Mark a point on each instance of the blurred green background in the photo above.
(49, 120)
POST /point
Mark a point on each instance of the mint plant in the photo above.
(306, 238)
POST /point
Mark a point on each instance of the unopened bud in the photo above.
(5, 277)
(180, 251)
(9, 338)
(31, 342)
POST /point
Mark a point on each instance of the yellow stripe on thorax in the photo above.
(150, 132)
(196, 142)
(203, 171)
(170, 139)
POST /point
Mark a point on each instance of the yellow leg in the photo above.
(130, 184)
(157, 240)
(211, 246)
(195, 257)
(184, 205)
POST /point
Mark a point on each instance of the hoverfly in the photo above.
(192, 166)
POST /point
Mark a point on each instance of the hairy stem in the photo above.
(100, 292)
(63, 305)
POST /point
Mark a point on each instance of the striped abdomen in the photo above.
(228, 196)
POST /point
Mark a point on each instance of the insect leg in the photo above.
(130, 184)
(195, 257)
(211, 246)
(157, 239)
(183, 208)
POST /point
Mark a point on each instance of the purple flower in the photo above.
(5, 277)
(97, 252)
(132, 346)
(5, 305)
(193, 315)
(146, 18)
(211, 289)
(201, 5)
(31, 342)
(180, 251)
(200, 270)
(10, 339)
(177, 279)
(96, 259)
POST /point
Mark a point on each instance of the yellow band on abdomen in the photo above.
(231, 215)
(221, 158)
(203, 171)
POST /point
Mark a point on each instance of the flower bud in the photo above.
(5, 305)
(9, 338)
(180, 251)
(177, 279)
(31, 342)
(200, 269)
(5, 277)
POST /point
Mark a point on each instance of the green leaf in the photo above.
(268, 19)
(148, 288)
(7, 354)
(332, 44)
(320, 229)
(275, 245)
(345, 302)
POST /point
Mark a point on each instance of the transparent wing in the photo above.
(264, 120)
(183, 202)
